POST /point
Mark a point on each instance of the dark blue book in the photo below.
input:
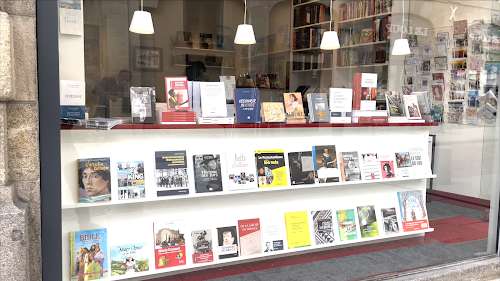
(247, 105)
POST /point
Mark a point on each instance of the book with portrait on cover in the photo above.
(325, 164)
(207, 173)
(89, 254)
(94, 180)
(228, 242)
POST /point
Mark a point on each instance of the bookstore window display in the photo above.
(281, 124)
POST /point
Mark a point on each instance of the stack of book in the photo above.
(177, 117)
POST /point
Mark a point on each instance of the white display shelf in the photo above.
(365, 18)
(306, 70)
(203, 50)
(234, 192)
(365, 44)
(207, 66)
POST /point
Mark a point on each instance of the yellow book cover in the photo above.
(297, 229)
(271, 170)
(273, 112)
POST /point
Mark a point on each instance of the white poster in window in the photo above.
(70, 17)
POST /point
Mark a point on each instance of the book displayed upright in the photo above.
(271, 169)
(340, 105)
(170, 243)
(213, 99)
(228, 242)
(364, 91)
(297, 229)
(294, 108)
(349, 166)
(413, 211)
(395, 106)
(371, 166)
(323, 227)
(171, 173)
(250, 237)
(89, 254)
(325, 164)
(229, 86)
(143, 104)
(273, 112)
(207, 173)
(347, 224)
(301, 167)
(411, 107)
(247, 105)
(387, 166)
(367, 221)
(318, 107)
(72, 99)
(131, 180)
(273, 234)
(390, 221)
(129, 259)
(203, 250)
(241, 169)
(177, 93)
(403, 164)
(94, 180)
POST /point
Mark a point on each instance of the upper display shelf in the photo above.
(251, 126)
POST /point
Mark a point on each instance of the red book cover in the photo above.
(373, 119)
(202, 245)
(382, 56)
(294, 40)
(356, 89)
(177, 93)
(377, 57)
(170, 245)
(250, 237)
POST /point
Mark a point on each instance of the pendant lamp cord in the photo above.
(331, 14)
(403, 22)
(142, 5)
(245, 15)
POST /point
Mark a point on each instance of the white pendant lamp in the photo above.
(330, 39)
(142, 23)
(401, 46)
(244, 33)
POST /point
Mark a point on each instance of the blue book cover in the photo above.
(89, 254)
(247, 105)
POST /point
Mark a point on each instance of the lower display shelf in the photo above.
(234, 192)
(276, 254)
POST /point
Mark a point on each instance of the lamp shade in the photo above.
(401, 47)
(244, 35)
(142, 23)
(330, 41)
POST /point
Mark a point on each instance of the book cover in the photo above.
(325, 164)
(349, 164)
(213, 99)
(294, 108)
(365, 90)
(297, 229)
(340, 105)
(247, 105)
(228, 242)
(250, 237)
(129, 259)
(301, 167)
(395, 104)
(207, 173)
(318, 107)
(171, 173)
(229, 86)
(403, 163)
(367, 221)
(143, 104)
(72, 99)
(273, 112)
(177, 93)
(241, 169)
(347, 225)
(460, 26)
(437, 93)
(71, 17)
(170, 243)
(411, 107)
(94, 180)
(203, 250)
(387, 166)
(413, 211)
(273, 234)
(371, 166)
(271, 168)
(390, 218)
(323, 227)
(417, 161)
(131, 180)
(89, 254)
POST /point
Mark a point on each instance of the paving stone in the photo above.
(6, 90)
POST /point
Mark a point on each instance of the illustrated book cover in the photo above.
(129, 259)
(347, 225)
(250, 237)
(213, 99)
(207, 173)
(131, 180)
(403, 163)
(367, 221)
(349, 166)
(413, 210)
(273, 112)
(241, 169)
(170, 243)
(273, 234)
(395, 104)
(143, 104)
(411, 107)
(387, 166)
(297, 229)
(229, 86)
(323, 227)
(390, 218)
(228, 242)
(171, 173)
(294, 108)
(301, 167)
(364, 91)
(177, 93)
(89, 254)
(271, 168)
(325, 164)
(371, 166)
(203, 250)
(94, 180)
(247, 105)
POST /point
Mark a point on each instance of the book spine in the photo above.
(73, 252)
(356, 91)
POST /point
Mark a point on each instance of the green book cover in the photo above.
(367, 221)
(347, 225)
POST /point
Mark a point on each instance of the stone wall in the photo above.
(20, 231)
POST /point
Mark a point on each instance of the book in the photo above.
(72, 99)
(131, 180)
(203, 250)
(273, 235)
(413, 211)
(273, 112)
(403, 163)
(387, 166)
(170, 243)
(367, 221)
(364, 91)
(171, 173)
(128, 259)
(241, 169)
(411, 107)
(247, 105)
(201, 120)
(213, 99)
(177, 93)
(207, 173)
(229, 86)
(143, 104)
(297, 229)
(366, 36)
(228, 242)
(294, 108)
(271, 168)
(424, 105)
(301, 167)
(417, 162)
(89, 254)
(460, 26)
(340, 105)
(323, 227)
(371, 166)
(390, 218)
(347, 225)
(94, 180)
(325, 164)
(250, 237)
(318, 107)
(349, 165)
(102, 123)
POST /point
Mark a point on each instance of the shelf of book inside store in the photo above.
(311, 25)
(313, 50)
(365, 18)
(203, 50)
(315, 2)
(252, 126)
(365, 44)
(225, 192)
(207, 66)
(363, 65)
(307, 70)
(266, 54)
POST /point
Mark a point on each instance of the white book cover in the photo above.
(72, 99)
(420, 165)
(371, 166)
(229, 86)
(213, 99)
(273, 234)
(368, 84)
(340, 105)
(70, 17)
(241, 170)
(411, 107)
